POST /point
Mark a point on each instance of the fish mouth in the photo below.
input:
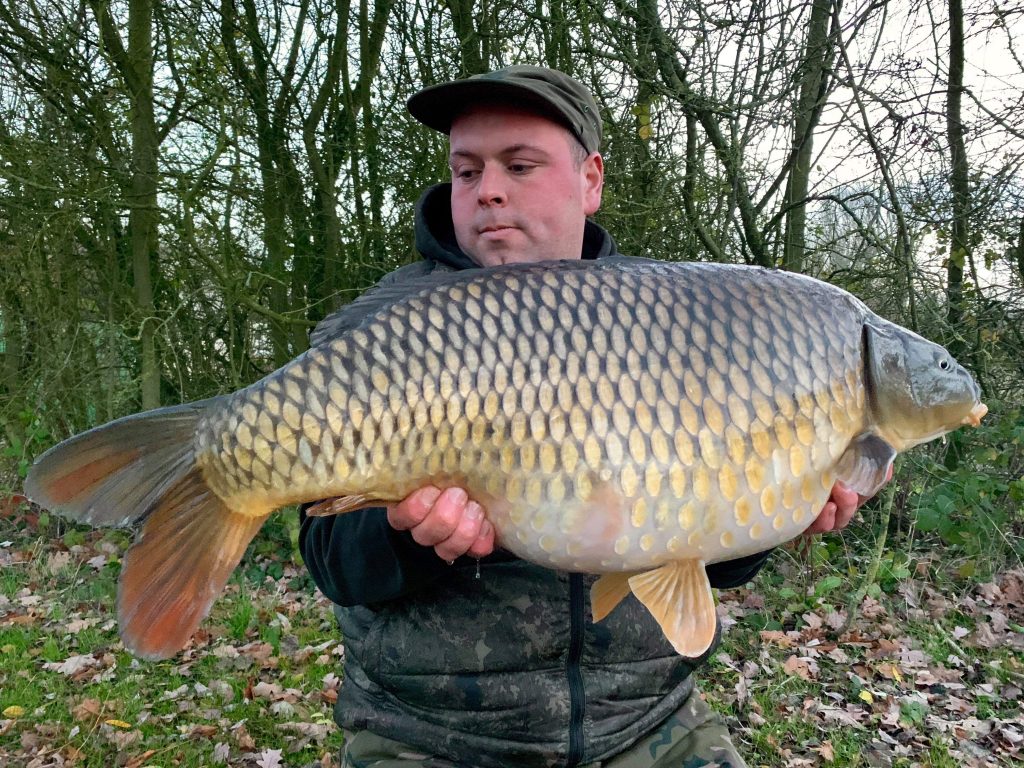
(976, 415)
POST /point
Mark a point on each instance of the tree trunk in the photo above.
(817, 62)
(959, 184)
(470, 49)
(143, 216)
(136, 67)
(959, 242)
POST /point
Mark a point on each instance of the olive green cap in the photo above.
(551, 93)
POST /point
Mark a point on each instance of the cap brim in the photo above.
(437, 106)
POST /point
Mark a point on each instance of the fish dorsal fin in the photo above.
(864, 467)
(400, 284)
(423, 276)
(679, 597)
(607, 592)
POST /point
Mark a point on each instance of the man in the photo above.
(450, 660)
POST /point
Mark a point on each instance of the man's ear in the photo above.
(593, 177)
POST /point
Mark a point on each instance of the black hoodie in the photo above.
(495, 664)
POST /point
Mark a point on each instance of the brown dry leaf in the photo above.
(1012, 586)
(776, 636)
(242, 737)
(827, 752)
(87, 710)
(812, 620)
(871, 608)
(753, 600)
(329, 697)
(119, 738)
(57, 562)
(140, 760)
(801, 667)
(268, 691)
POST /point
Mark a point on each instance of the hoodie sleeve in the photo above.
(359, 559)
(735, 573)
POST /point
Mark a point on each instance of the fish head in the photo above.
(918, 390)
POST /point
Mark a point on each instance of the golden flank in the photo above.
(632, 418)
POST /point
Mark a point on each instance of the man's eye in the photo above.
(465, 173)
(520, 167)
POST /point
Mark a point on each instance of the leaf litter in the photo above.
(917, 668)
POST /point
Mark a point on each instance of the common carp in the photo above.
(626, 417)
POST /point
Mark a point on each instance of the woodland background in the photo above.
(186, 188)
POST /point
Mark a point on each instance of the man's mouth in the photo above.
(491, 228)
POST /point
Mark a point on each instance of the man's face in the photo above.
(519, 193)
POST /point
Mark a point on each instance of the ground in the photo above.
(926, 669)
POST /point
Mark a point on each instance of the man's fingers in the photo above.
(413, 509)
(466, 531)
(826, 520)
(484, 544)
(442, 519)
(446, 520)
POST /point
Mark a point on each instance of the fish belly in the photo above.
(608, 418)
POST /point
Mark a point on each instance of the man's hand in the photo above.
(839, 510)
(449, 521)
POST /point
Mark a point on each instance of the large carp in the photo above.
(634, 418)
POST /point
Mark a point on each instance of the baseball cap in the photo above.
(551, 93)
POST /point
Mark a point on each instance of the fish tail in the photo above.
(180, 561)
(142, 468)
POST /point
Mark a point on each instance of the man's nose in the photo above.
(491, 190)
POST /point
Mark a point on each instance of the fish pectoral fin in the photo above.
(679, 597)
(607, 592)
(340, 505)
(864, 467)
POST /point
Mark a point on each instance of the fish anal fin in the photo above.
(607, 592)
(180, 561)
(679, 597)
(864, 467)
(341, 504)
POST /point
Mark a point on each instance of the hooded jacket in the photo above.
(493, 664)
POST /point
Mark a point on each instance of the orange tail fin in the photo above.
(142, 468)
(178, 566)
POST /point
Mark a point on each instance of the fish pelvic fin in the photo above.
(339, 505)
(864, 467)
(180, 561)
(679, 597)
(607, 592)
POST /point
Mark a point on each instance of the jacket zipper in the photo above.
(573, 671)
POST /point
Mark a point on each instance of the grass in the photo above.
(908, 685)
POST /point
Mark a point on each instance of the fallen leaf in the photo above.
(14, 711)
(88, 710)
(269, 758)
(73, 665)
(826, 751)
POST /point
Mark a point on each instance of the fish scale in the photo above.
(632, 418)
(565, 431)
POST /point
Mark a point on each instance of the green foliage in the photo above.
(976, 508)
(29, 440)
